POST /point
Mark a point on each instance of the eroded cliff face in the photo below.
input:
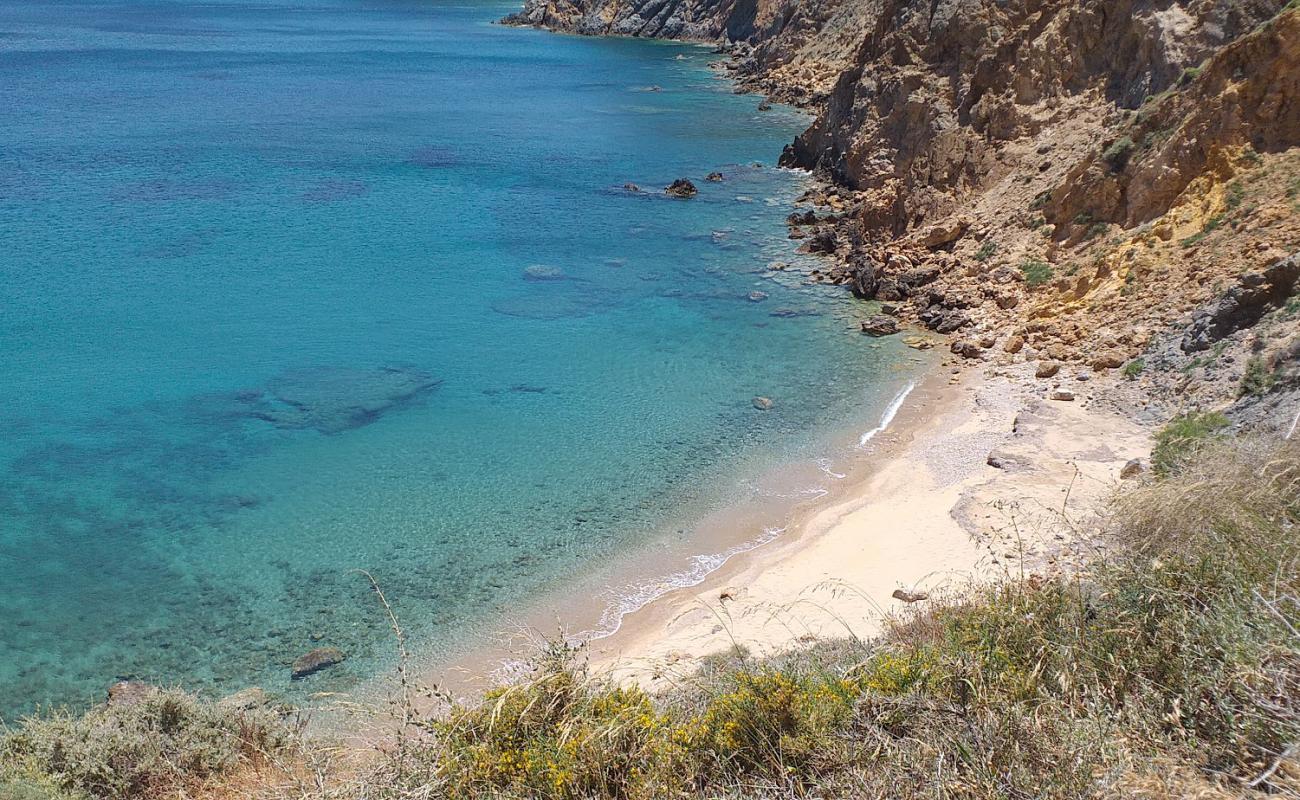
(1045, 180)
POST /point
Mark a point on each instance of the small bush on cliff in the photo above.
(1258, 378)
(1036, 272)
(1134, 368)
(161, 744)
(986, 251)
(1118, 154)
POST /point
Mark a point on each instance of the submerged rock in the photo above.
(543, 272)
(762, 403)
(682, 188)
(335, 399)
(316, 660)
(714, 177)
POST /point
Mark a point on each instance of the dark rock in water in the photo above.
(543, 272)
(631, 187)
(880, 325)
(808, 217)
(316, 660)
(823, 240)
(757, 296)
(864, 279)
(525, 388)
(789, 313)
(681, 188)
(764, 106)
(1255, 294)
(125, 694)
(714, 176)
(558, 300)
(335, 399)
(762, 403)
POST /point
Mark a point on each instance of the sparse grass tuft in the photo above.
(987, 249)
(1134, 368)
(1258, 378)
(1183, 437)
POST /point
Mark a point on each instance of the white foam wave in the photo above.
(891, 411)
(824, 464)
(638, 596)
(795, 494)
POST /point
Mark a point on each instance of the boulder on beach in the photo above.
(316, 660)
(682, 188)
(880, 325)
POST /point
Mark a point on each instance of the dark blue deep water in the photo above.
(289, 290)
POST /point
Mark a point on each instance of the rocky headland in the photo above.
(1107, 185)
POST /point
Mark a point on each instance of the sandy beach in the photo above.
(932, 515)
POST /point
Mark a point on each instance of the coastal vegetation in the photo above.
(1169, 668)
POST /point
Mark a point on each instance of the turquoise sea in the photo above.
(293, 289)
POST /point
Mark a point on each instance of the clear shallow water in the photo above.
(290, 290)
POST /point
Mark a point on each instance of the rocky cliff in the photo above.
(1045, 180)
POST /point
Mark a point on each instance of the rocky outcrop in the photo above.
(682, 188)
(1255, 294)
(1063, 180)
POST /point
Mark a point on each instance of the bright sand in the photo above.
(931, 515)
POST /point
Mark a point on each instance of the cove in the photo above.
(291, 290)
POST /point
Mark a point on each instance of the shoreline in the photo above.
(930, 515)
(733, 534)
(921, 510)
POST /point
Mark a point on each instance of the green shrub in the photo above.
(1258, 378)
(1118, 154)
(1182, 437)
(128, 752)
(1190, 74)
(1235, 195)
(1036, 272)
(986, 251)
(1134, 368)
